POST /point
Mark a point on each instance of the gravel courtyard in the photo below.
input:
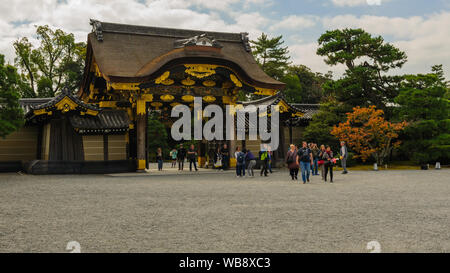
(405, 211)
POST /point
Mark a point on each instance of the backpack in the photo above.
(241, 158)
(263, 156)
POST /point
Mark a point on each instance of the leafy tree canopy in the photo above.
(58, 61)
(303, 85)
(424, 101)
(11, 115)
(368, 133)
(157, 136)
(367, 59)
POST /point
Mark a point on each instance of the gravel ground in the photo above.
(405, 211)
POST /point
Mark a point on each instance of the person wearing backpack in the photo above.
(181, 154)
(240, 162)
(305, 159)
(251, 159)
(292, 162)
(263, 156)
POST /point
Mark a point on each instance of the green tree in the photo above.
(156, 136)
(318, 130)
(303, 85)
(367, 60)
(58, 61)
(271, 55)
(423, 101)
(11, 114)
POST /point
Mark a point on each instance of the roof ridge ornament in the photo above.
(65, 90)
(198, 40)
(245, 40)
(97, 29)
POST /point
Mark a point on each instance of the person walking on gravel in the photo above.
(344, 156)
(251, 159)
(306, 161)
(328, 163)
(292, 162)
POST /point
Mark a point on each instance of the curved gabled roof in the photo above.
(138, 53)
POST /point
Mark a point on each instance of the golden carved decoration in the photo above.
(163, 77)
(187, 98)
(209, 83)
(147, 97)
(209, 99)
(141, 107)
(122, 86)
(188, 81)
(200, 70)
(175, 104)
(156, 104)
(235, 80)
(167, 81)
(109, 104)
(66, 104)
(265, 91)
(167, 98)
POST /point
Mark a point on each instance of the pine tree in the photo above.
(271, 55)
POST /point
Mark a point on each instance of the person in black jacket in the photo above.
(181, 156)
(225, 153)
(159, 158)
(192, 155)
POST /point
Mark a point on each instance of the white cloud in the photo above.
(425, 39)
(73, 16)
(305, 53)
(354, 3)
(294, 22)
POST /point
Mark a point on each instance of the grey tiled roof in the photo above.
(106, 120)
(28, 104)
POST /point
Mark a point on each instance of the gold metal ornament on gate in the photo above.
(156, 104)
(187, 98)
(163, 77)
(167, 98)
(209, 83)
(188, 81)
(200, 70)
(168, 82)
(209, 99)
(235, 80)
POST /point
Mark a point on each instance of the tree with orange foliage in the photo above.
(368, 133)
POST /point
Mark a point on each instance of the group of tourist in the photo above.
(179, 156)
(308, 159)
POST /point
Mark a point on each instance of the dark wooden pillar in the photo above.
(105, 147)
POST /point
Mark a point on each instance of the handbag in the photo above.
(290, 158)
(320, 162)
(218, 163)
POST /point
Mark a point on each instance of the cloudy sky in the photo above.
(421, 28)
